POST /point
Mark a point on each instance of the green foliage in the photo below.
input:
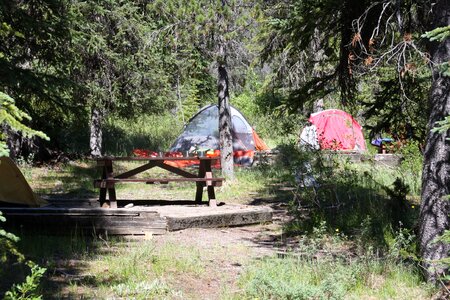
(32, 53)
(444, 69)
(310, 55)
(265, 111)
(191, 35)
(442, 126)
(114, 63)
(397, 108)
(438, 34)
(27, 290)
(402, 245)
(363, 200)
(13, 117)
(7, 244)
(411, 166)
(34, 60)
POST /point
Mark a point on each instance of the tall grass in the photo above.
(308, 278)
(346, 195)
(329, 266)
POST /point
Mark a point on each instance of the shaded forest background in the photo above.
(137, 70)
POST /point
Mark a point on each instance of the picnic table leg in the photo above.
(107, 173)
(112, 197)
(102, 198)
(209, 184)
(111, 189)
(201, 174)
(211, 193)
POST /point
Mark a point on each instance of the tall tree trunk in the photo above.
(318, 104)
(225, 137)
(180, 101)
(434, 211)
(96, 133)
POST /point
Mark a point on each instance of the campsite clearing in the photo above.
(210, 263)
(136, 216)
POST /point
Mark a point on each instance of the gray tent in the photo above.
(202, 131)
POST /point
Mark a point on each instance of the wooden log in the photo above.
(63, 220)
(235, 218)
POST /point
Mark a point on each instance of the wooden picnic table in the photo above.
(204, 176)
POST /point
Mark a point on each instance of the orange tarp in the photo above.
(260, 145)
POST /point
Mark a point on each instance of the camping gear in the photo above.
(337, 130)
(14, 188)
(383, 144)
(202, 131)
(308, 138)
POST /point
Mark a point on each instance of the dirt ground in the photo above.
(226, 253)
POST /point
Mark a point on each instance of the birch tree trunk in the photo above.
(434, 210)
(225, 137)
(96, 133)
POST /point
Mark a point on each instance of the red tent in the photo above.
(337, 130)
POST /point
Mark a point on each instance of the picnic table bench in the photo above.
(203, 178)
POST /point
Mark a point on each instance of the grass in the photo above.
(331, 266)
(309, 278)
(99, 269)
(142, 271)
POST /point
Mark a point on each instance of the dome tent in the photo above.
(202, 131)
(14, 188)
(337, 130)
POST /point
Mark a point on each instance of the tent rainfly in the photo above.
(333, 129)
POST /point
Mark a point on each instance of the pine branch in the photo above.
(439, 34)
(11, 115)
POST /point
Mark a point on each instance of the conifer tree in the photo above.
(13, 117)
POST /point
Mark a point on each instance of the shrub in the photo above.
(28, 288)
